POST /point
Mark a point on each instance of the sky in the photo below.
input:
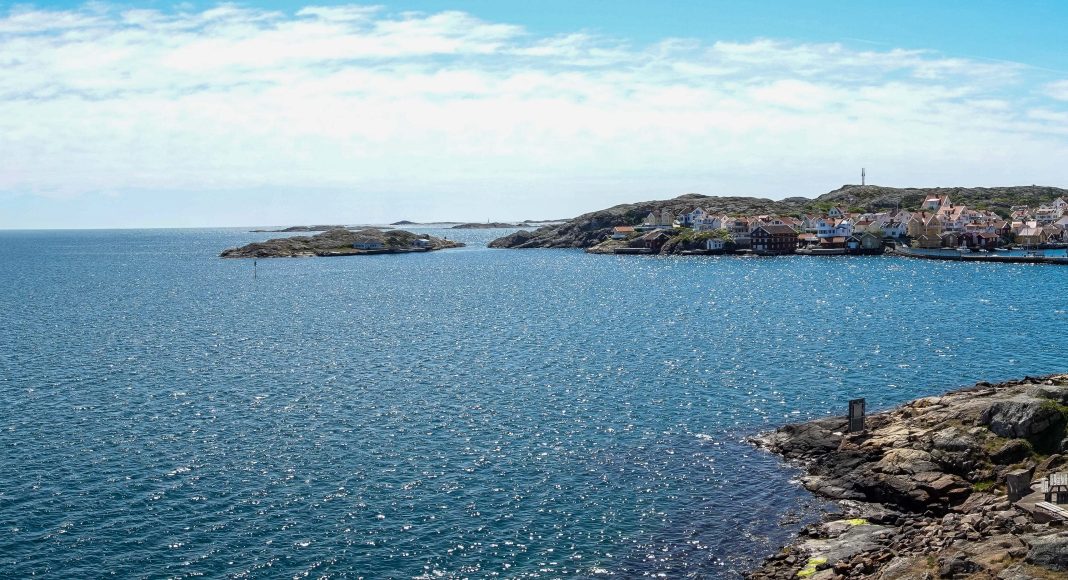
(197, 114)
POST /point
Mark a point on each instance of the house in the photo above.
(837, 242)
(687, 219)
(1062, 223)
(864, 243)
(833, 228)
(863, 225)
(807, 239)
(951, 239)
(715, 244)
(1059, 205)
(667, 218)
(622, 232)
(808, 223)
(421, 243)
(935, 202)
(651, 220)
(893, 228)
(787, 221)
(925, 229)
(368, 244)
(709, 222)
(739, 230)
(654, 240)
(836, 213)
(773, 239)
(1031, 236)
(953, 217)
(1045, 216)
(1051, 233)
(985, 240)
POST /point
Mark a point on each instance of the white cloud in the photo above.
(1058, 90)
(359, 99)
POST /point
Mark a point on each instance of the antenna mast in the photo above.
(862, 176)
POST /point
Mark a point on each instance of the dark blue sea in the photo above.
(464, 413)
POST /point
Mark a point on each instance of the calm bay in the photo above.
(462, 413)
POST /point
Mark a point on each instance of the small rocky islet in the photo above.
(315, 228)
(942, 487)
(483, 226)
(343, 242)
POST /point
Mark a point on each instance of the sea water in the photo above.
(463, 413)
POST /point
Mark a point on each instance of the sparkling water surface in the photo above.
(464, 413)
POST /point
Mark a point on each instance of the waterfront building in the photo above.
(773, 239)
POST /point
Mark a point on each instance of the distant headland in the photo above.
(319, 228)
(979, 219)
(343, 242)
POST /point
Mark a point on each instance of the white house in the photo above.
(714, 244)
(832, 228)
(935, 202)
(1059, 205)
(1046, 215)
(689, 218)
(894, 228)
(368, 244)
(709, 222)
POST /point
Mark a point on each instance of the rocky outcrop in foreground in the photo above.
(938, 488)
(341, 242)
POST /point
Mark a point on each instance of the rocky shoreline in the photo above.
(941, 487)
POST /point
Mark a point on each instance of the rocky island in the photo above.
(317, 228)
(343, 242)
(483, 226)
(942, 487)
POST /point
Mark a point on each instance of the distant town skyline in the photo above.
(144, 114)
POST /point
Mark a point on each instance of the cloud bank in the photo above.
(448, 111)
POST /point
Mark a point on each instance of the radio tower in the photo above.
(862, 176)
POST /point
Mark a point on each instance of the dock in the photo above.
(962, 257)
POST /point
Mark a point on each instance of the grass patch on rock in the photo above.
(811, 567)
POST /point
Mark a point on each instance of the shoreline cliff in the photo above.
(941, 487)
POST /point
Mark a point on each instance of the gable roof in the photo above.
(776, 229)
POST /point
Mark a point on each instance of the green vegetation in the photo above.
(984, 485)
(688, 237)
(1054, 405)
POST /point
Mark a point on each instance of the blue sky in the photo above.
(152, 114)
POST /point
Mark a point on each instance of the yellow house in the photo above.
(925, 229)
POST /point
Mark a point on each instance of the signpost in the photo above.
(856, 415)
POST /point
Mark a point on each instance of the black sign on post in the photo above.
(856, 415)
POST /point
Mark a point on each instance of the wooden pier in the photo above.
(962, 257)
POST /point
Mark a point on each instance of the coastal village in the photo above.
(938, 223)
